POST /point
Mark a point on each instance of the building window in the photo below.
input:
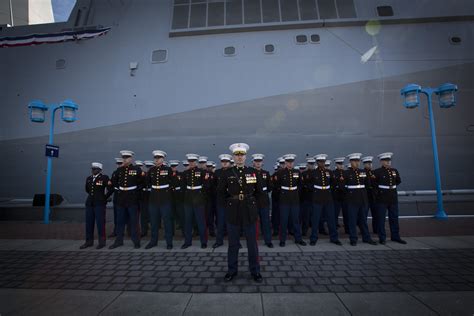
(233, 12)
(289, 10)
(159, 56)
(229, 51)
(345, 9)
(327, 9)
(315, 39)
(252, 12)
(198, 15)
(308, 10)
(270, 11)
(385, 10)
(215, 13)
(301, 39)
(180, 16)
(269, 49)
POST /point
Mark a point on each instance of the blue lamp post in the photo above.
(447, 98)
(37, 115)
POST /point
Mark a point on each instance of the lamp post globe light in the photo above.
(447, 98)
(37, 112)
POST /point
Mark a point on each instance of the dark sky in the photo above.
(62, 9)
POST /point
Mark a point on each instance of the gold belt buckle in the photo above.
(241, 197)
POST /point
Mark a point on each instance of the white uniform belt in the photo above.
(289, 188)
(146, 189)
(264, 188)
(358, 186)
(127, 188)
(387, 186)
(158, 187)
(194, 188)
(177, 188)
(322, 187)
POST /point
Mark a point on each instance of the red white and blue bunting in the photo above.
(38, 39)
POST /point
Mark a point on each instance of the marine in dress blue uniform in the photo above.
(240, 187)
(367, 161)
(386, 181)
(319, 182)
(263, 199)
(160, 180)
(129, 179)
(306, 198)
(118, 163)
(288, 180)
(355, 182)
(195, 183)
(338, 194)
(220, 201)
(98, 192)
(276, 200)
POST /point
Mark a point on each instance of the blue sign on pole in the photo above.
(52, 151)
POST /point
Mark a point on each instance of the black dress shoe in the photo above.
(185, 246)
(257, 277)
(86, 245)
(337, 242)
(382, 242)
(216, 245)
(282, 244)
(169, 247)
(203, 246)
(229, 276)
(301, 243)
(136, 245)
(400, 241)
(370, 242)
(115, 245)
(269, 245)
(353, 243)
(312, 243)
(150, 245)
(100, 246)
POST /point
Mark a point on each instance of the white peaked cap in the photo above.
(174, 163)
(258, 156)
(192, 157)
(367, 159)
(225, 157)
(385, 156)
(148, 163)
(354, 156)
(289, 157)
(321, 157)
(239, 148)
(127, 153)
(96, 165)
(159, 153)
